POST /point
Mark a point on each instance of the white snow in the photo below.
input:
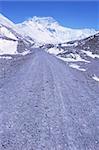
(36, 31)
(75, 66)
(5, 32)
(6, 57)
(75, 58)
(95, 78)
(25, 53)
(5, 21)
(8, 47)
(65, 44)
(55, 51)
(47, 30)
(88, 53)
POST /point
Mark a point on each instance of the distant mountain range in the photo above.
(47, 30)
(36, 31)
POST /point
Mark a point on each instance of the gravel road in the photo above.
(46, 105)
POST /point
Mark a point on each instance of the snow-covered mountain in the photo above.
(17, 38)
(47, 30)
(11, 41)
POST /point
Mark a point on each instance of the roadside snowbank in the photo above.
(8, 47)
(75, 66)
(76, 58)
(88, 53)
(95, 78)
(55, 51)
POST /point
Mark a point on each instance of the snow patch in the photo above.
(74, 44)
(25, 53)
(75, 66)
(95, 78)
(76, 58)
(88, 53)
(55, 51)
(5, 57)
(8, 47)
(64, 44)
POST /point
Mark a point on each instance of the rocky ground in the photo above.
(47, 105)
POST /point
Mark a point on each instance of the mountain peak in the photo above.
(43, 20)
(50, 19)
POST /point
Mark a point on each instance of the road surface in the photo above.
(46, 105)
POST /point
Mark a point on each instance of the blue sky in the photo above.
(69, 14)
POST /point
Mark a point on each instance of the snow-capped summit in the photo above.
(37, 28)
(43, 20)
(48, 30)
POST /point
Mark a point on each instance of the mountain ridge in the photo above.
(52, 31)
(47, 30)
(36, 32)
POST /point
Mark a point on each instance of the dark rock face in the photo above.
(91, 44)
(47, 46)
(21, 46)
